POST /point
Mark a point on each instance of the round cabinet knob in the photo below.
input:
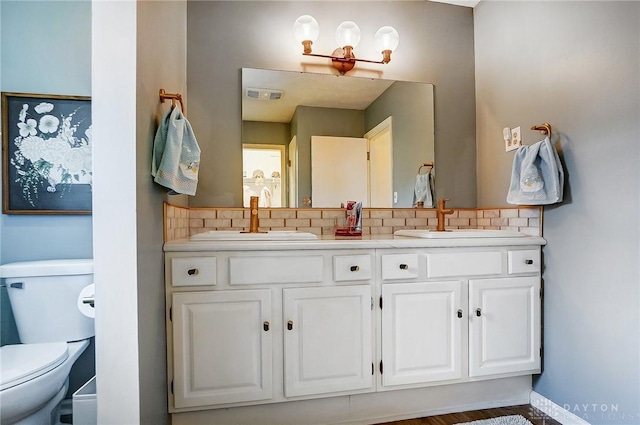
(478, 312)
(265, 326)
(290, 325)
(460, 314)
(192, 272)
(354, 268)
(528, 261)
(404, 267)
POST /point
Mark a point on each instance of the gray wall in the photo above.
(270, 133)
(436, 46)
(46, 48)
(161, 63)
(575, 65)
(411, 106)
(307, 122)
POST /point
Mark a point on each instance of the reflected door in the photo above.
(381, 165)
(338, 171)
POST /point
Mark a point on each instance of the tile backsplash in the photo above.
(181, 222)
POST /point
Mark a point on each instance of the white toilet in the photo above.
(45, 297)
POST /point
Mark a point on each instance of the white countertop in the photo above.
(364, 242)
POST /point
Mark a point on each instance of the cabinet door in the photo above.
(504, 329)
(327, 339)
(421, 339)
(222, 347)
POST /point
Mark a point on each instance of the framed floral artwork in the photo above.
(46, 154)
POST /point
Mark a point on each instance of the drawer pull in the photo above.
(192, 272)
(265, 326)
(354, 268)
(459, 314)
(290, 325)
(478, 312)
(528, 261)
(404, 267)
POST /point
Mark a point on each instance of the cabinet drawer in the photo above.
(464, 264)
(193, 271)
(524, 261)
(351, 267)
(289, 269)
(399, 266)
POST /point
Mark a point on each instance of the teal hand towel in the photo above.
(537, 177)
(176, 154)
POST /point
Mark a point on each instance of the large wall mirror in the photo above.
(343, 138)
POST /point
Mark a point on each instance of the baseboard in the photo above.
(554, 411)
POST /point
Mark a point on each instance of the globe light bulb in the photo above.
(306, 28)
(348, 34)
(387, 38)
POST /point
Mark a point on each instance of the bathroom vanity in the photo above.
(450, 321)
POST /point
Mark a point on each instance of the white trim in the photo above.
(554, 411)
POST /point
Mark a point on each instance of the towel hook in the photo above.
(545, 128)
(426, 164)
(174, 97)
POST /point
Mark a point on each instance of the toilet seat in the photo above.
(23, 362)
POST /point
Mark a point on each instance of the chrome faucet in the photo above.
(441, 212)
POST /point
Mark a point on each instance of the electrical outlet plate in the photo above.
(516, 136)
(515, 141)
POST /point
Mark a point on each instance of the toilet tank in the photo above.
(45, 297)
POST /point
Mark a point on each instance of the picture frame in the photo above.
(46, 154)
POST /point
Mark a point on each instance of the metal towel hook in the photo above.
(545, 128)
(426, 164)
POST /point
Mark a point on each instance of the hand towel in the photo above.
(537, 177)
(423, 190)
(176, 154)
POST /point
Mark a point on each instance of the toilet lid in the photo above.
(21, 362)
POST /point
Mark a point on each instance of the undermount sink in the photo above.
(458, 233)
(234, 235)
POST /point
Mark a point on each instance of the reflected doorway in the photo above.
(263, 169)
(292, 166)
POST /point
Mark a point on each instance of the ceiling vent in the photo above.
(264, 94)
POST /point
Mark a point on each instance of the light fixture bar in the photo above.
(306, 31)
(337, 58)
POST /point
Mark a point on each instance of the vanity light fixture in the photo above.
(306, 30)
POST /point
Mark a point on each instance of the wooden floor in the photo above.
(534, 415)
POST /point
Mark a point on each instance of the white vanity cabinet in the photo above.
(504, 328)
(249, 327)
(421, 328)
(458, 314)
(327, 340)
(222, 347)
(271, 322)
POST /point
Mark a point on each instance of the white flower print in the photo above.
(48, 124)
(74, 161)
(55, 151)
(28, 128)
(31, 147)
(49, 151)
(44, 107)
(23, 113)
